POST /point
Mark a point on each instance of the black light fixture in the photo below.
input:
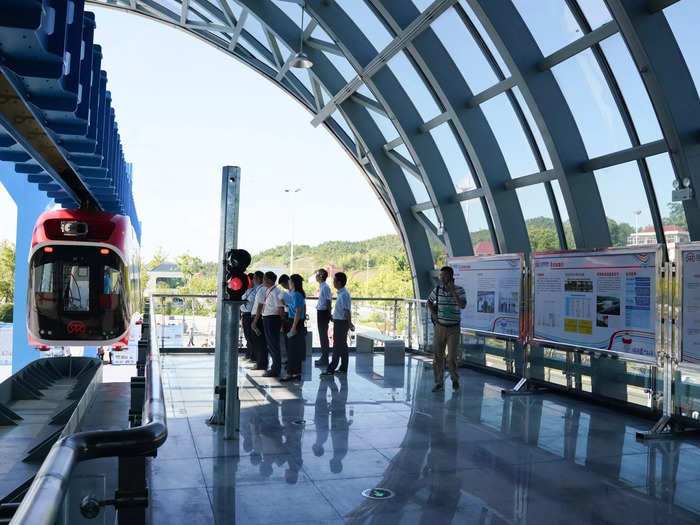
(301, 60)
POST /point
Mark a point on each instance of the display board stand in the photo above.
(524, 386)
(670, 425)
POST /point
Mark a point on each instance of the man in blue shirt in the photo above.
(323, 315)
(342, 322)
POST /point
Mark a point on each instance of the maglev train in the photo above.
(84, 280)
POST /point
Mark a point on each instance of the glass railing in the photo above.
(190, 321)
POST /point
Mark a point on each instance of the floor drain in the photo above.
(378, 493)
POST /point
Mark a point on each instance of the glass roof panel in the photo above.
(364, 90)
(464, 51)
(303, 77)
(414, 86)
(541, 146)
(255, 28)
(402, 150)
(319, 33)
(367, 21)
(432, 217)
(342, 65)
(235, 9)
(340, 120)
(485, 37)
(632, 87)
(417, 187)
(291, 10)
(550, 22)
(453, 157)
(592, 104)
(253, 51)
(623, 179)
(422, 5)
(510, 136)
(564, 215)
(683, 18)
(385, 125)
(539, 219)
(596, 12)
(478, 227)
(662, 177)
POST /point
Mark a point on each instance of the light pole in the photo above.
(636, 226)
(291, 192)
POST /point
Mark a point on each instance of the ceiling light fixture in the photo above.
(301, 60)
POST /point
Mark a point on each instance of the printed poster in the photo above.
(492, 286)
(690, 309)
(602, 300)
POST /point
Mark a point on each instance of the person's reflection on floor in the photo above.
(321, 413)
(267, 439)
(293, 410)
(340, 425)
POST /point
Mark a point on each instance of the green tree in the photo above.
(7, 272)
(543, 239)
(619, 232)
(189, 265)
(158, 258)
(676, 215)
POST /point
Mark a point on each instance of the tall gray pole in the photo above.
(225, 321)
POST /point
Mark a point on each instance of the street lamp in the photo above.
(636, 226)
(291, 192)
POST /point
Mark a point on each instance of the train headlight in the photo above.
(74, 228)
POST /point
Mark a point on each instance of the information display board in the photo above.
(130, 354)
(604, 300)
(5, 344)
(688, 301)
(494, 287)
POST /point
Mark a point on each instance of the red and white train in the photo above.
(84, 279)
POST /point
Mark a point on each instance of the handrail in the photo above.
(209, 296)
(45, 496)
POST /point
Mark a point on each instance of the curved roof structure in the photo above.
(526, 125)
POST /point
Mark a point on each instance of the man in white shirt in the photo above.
(323, 314)
(257, 296)
(246, 317)
(342, 322)
(283, 281)
(271, 311)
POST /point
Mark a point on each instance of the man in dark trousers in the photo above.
(271, 311)
(342, 322)
(323, 315)
(246, 317)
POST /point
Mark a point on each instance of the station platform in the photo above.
(307, 451)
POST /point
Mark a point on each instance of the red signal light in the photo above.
(236, 284)
(104, 251)
(48, 249)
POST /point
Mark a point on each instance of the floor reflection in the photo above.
(307, 450)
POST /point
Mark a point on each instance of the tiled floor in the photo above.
(451, 457)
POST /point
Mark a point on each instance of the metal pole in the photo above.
(233, 403)
(410, 325)
(228, 239)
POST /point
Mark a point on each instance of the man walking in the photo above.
(323, 315)
(342, 322)
(444, 304)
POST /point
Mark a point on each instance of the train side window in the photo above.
(43, 278)
(76, 288)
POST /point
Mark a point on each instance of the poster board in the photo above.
(687, 302)
(603, 300)
(171, 335)
(494, 289)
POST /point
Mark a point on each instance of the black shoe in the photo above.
(321, 362)
(287, 378)
(437, 388)
(270, 373)
(341, 372)
(327, 373)
(455, 385)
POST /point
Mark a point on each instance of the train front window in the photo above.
(76, 288)
(77, 293)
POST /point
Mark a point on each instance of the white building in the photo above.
(674, 234)
(167, 275)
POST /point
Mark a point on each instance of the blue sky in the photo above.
(185, 109)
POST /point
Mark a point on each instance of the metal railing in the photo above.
(45, 496)
(401, 318)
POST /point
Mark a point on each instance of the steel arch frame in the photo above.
(530, 72)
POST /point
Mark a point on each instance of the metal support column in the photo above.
(228, 239)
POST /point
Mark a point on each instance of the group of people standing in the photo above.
(278, 306)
